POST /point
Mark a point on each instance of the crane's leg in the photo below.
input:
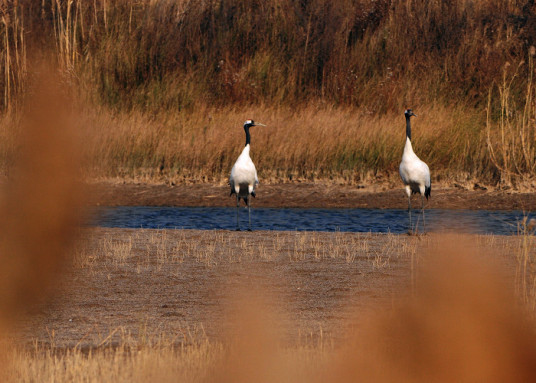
(237, 210)
(410, 230)
(423, 223)
(249, 212)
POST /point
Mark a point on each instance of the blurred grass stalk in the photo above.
(41, 200)
(526, 264)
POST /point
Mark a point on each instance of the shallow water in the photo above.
(350, 220)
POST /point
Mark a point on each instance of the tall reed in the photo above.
(13, 56)
(375, 54)
(511, 138)
(152, 61)
(526, 264)
(308, 143)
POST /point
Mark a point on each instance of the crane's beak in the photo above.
(259, 124)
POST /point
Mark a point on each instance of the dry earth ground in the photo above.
(135, 285)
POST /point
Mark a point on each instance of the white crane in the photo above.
(243, 179)
(414, 173)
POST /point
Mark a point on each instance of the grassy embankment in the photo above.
(165, 86)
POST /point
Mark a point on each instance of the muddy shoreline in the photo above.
(305, 195)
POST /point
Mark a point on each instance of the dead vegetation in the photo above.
(400, 301)
(166, 85)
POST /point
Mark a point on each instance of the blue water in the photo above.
(351, 220)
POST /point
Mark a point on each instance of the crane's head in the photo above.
(250, 123)
(408, 113)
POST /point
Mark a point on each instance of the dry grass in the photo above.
(335, 73)
(154, 249)
(341, 145)
(428, 334)
(162, 362)
(189, 355)
(512, 148)
(159, 362)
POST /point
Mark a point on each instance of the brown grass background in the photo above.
(166, 85)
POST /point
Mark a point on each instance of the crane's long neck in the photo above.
(248, 136)
(408, 149)
(408, 127)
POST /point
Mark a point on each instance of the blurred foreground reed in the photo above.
(41, 198)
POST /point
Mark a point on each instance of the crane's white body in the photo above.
(414, 172)
(243, 179)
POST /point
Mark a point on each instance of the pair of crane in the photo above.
(414, 173)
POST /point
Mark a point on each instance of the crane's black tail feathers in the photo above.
(428, 191)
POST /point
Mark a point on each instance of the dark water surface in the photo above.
(352, 220)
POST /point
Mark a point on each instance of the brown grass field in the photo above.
(141, 102)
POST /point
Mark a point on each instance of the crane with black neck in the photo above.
(414, 172)
(243, 179)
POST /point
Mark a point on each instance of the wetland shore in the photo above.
(308, 195)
